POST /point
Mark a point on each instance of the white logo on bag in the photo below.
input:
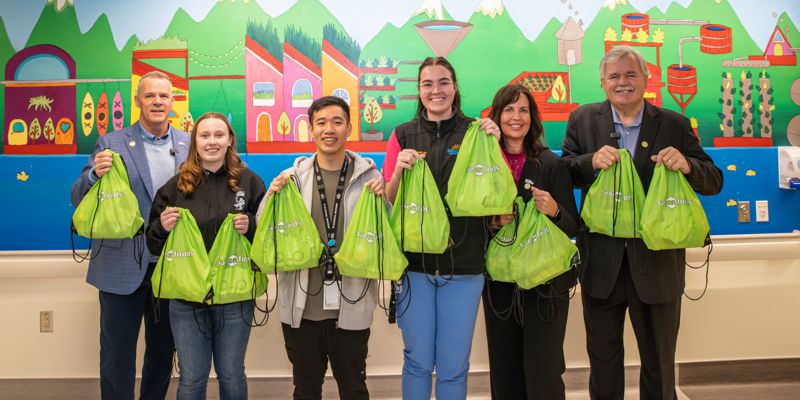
(233, 261)
(479, 169)
(413, 208)
(505, 239)
(536, 236)
(368, 236)
(103, 195)
(672, 202)
(170, 254)
(618, 196)
(282, 227)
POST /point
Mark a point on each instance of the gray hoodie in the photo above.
(291, 299)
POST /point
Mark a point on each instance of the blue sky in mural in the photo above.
(125, 17)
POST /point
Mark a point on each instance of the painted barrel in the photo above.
(681, 79)
(635, 21)
(716, 39)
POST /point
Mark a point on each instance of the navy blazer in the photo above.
(658, 276)
(113, 268)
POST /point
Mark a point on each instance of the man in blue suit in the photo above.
(152, 151)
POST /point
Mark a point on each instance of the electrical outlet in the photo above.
(744, 212)
(46, 321)
(762, 211)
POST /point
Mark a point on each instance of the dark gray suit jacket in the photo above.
(658, 276)
(113, 268)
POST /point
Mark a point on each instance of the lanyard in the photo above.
(331, 219)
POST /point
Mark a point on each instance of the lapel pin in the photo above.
(644, 144)
(132, 143)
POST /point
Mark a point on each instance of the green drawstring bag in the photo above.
(233, 276)
(502, 245)
(110, 209)
(369, 249)
(542, 251)
(613, 205)
(672, 216)
(297, 244)
(419, 221)
(183, 268)
(481, 183)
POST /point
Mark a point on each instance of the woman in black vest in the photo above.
(439, 295)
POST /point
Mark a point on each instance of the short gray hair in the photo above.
(620, 52)
(153, 75)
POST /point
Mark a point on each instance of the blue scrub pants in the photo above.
(437, 317)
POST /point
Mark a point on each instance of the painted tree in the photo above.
(35, 130)
(642, 35)
(372, 112)
(558, 93)
(284, 124)
(49, 130)
(726, 116)
(610, 35)
(627, 35)
(766, 104)
(658, 35)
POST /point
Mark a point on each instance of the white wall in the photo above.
(751, 310)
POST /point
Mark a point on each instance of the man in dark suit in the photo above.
(152, 151)
(619, 274)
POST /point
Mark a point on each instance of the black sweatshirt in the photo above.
(210, 204)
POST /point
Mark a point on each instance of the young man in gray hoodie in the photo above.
(317, 325)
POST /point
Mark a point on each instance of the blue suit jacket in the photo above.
(113, 268)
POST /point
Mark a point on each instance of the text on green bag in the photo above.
(479, 169)
(170, 254)
(536, 236)
(233, 260)
(103, 195)
(413, 208)
(618, 196)
(369, 236)
(282, 227)
(672, 202)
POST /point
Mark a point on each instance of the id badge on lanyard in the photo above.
(331, 296)
(331, 291)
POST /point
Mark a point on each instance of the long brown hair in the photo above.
(192, 173)
(532, 142)
(430, 62)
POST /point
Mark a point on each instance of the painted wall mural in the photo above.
(263, 69)
(71, 72)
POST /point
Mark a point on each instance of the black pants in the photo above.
(120, 321)
(309, 348)
(526, 360)
(656, 330)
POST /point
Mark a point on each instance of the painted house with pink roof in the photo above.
(264, 84)
(302, 78)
